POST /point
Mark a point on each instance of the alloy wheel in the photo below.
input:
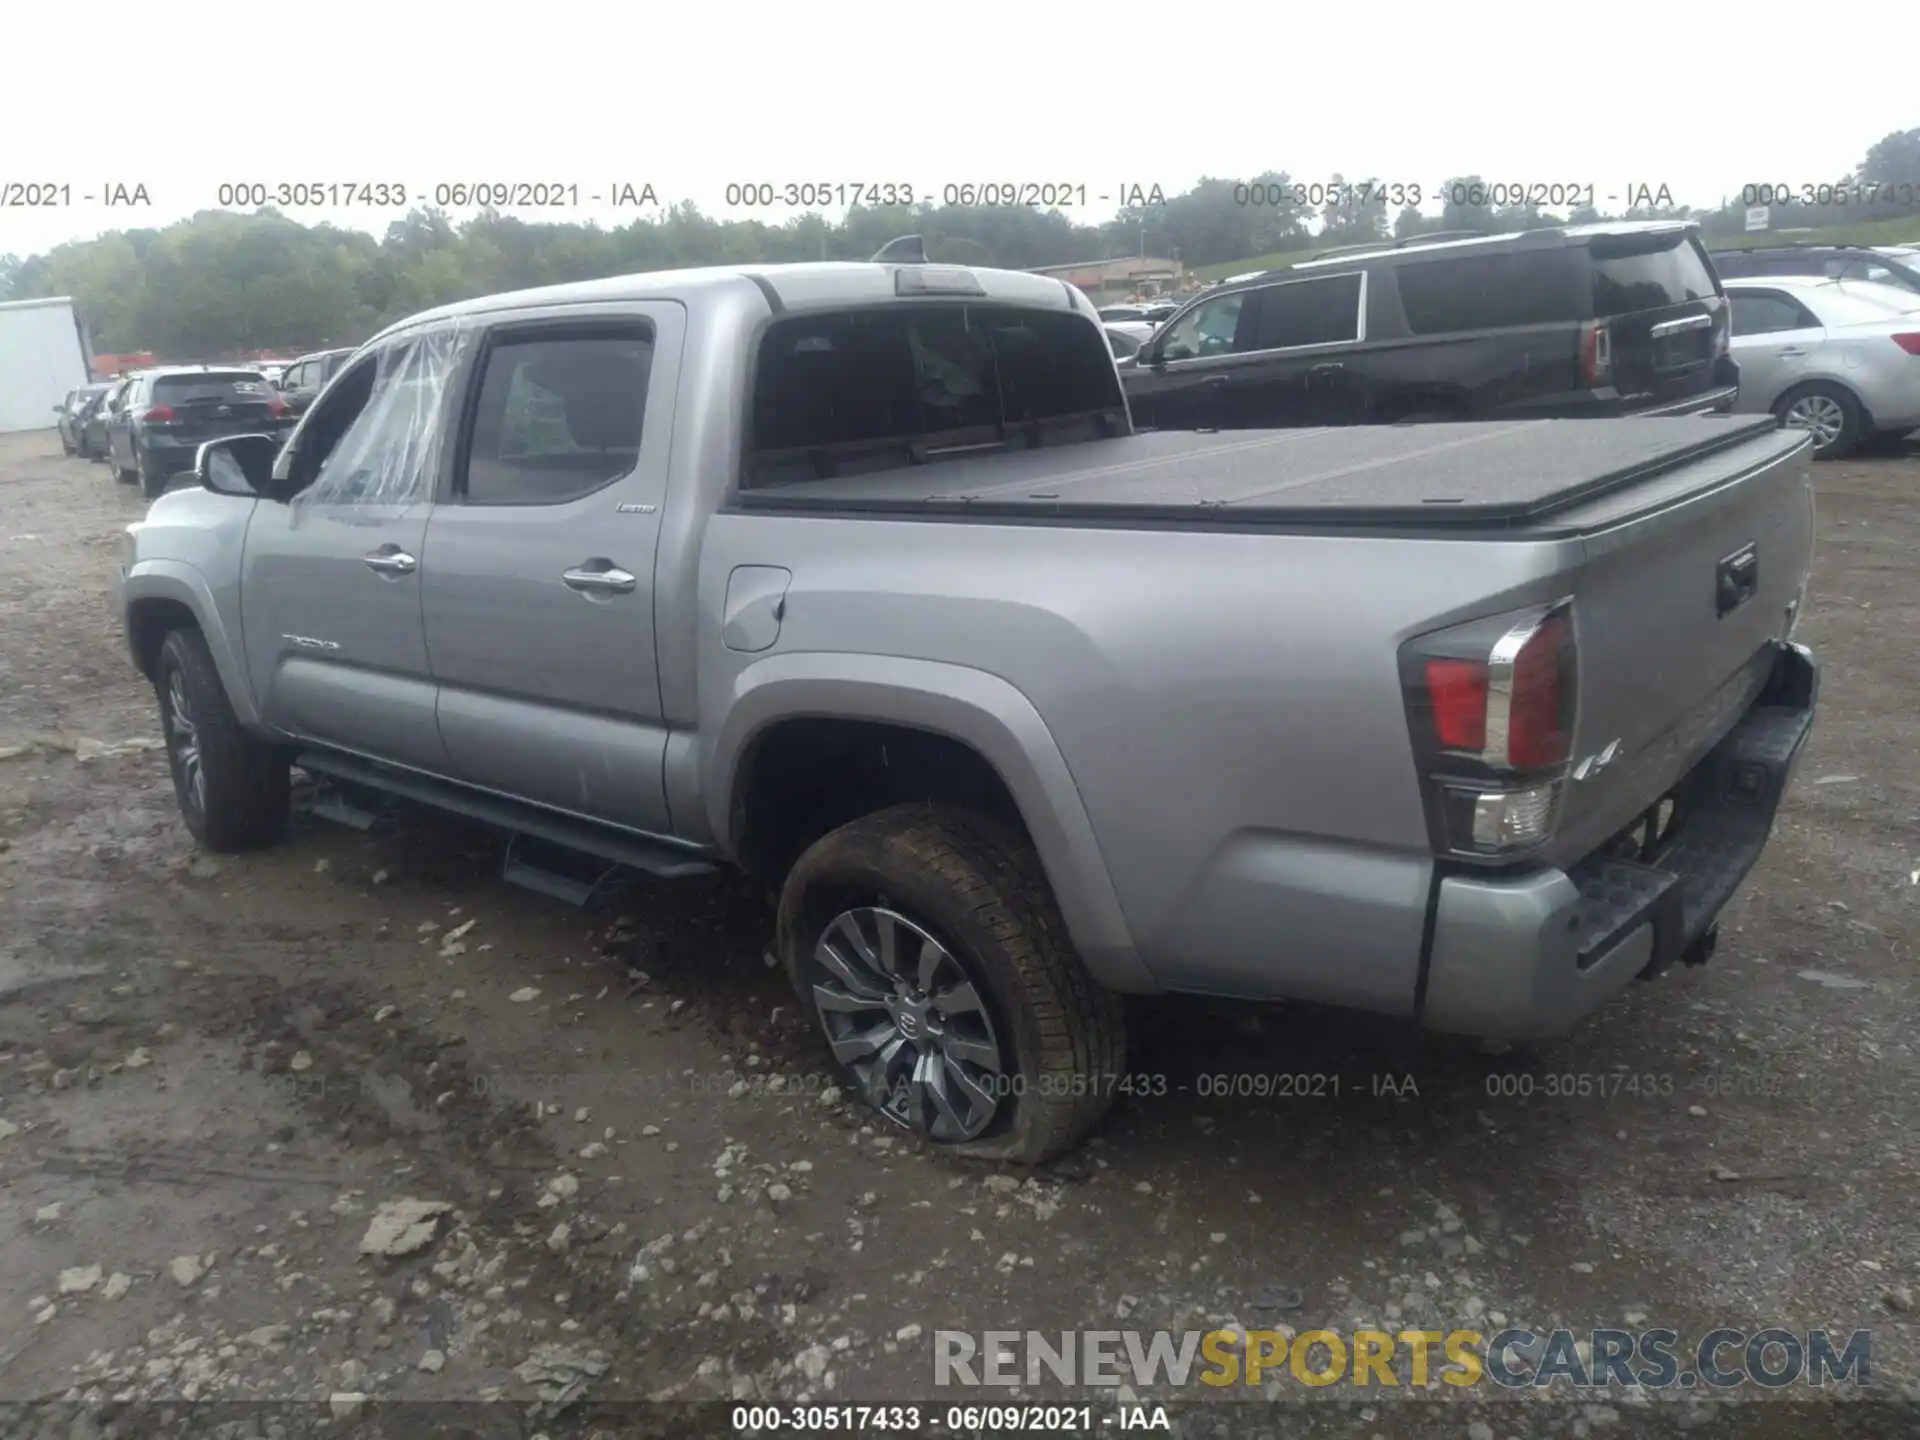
(1820, 416)
(183, 740)
(902, 1014)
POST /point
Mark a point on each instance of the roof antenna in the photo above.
(907, 250)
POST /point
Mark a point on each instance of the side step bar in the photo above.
(533, 834)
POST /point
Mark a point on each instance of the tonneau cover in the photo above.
(1463, 474)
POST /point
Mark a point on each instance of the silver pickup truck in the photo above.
(857, 577)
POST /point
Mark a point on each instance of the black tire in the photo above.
(1830, 399)
(150, 486)
(979, 891)
(246, 791)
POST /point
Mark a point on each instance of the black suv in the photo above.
(1885, 265)
(302, 381)
(1590, 320)
(166, 414)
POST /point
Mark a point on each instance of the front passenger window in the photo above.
(1207, 329)
(375, 438)
(559, 416)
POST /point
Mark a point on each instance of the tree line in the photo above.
(224, 283)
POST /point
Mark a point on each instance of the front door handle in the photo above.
(1790, 352)
(391, 562)
(1333, 368)
(600, 577)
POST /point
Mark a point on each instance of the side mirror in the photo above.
(240, 465)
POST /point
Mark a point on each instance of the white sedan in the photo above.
(1837, 358)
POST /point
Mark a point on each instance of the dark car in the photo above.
(93, 430)
(168, 413)
(1882, 264)
(1591, 320)
(73, 411)
(306, 377)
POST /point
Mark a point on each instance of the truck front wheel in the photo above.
(235, 791)
(926, 944)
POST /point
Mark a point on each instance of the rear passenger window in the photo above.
(1309, 312)
(559, 416)
(1768, 313)
(1647, 272)
(1489, 292)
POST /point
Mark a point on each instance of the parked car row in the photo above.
(147, 426)
(1607, 319)
(74, 410)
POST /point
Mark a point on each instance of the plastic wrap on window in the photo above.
(391, 451)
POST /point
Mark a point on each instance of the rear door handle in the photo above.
(1790, 352)
(392, 561)
(600, 577)
(1331, 368)
(1217, 382)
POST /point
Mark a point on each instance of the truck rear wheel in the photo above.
(235, 791)
(926, 944)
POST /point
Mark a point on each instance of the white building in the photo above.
(43, 355)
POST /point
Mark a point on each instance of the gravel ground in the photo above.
(217, 1077)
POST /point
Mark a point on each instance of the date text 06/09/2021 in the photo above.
(1287, 194)
(849, 1419)
(320, 193)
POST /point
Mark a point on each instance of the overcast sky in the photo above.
(1613, 95)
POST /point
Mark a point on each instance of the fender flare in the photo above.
(972, 707)
(182, 584)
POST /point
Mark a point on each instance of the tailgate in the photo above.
(1675, 606)
(1667, 321)
(212, 406)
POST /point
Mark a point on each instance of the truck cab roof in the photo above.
(799, 286)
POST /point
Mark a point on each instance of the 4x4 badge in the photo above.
(1590, 768)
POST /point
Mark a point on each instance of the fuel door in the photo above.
(756, 604)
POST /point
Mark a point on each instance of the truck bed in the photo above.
(1471, 475)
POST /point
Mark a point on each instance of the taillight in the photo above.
(1909, 343)
(1491, 705)
(1596, 355)
(160, 415)
(1457, 691)
(1538, 728)
(276, 407)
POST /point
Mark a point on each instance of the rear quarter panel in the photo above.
(1227, 705)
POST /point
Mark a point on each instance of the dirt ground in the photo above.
(214, 1072)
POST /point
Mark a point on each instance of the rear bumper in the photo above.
(167, 455)
(1528, 957)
